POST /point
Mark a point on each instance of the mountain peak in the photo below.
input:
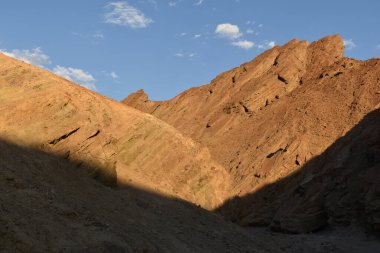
(325, 51)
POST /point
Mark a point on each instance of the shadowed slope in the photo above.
(265, 119)
(340, 187)
(48, 204)
(41, 110)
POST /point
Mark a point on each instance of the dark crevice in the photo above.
(155, 109)
(282, 79)
(272, 154)
(233, 79)
(297, 162)
(276, 61)
(246, 109)
(338, 73)
(55, 141)
(283, 150)
(94, 135)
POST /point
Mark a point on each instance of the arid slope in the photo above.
(48, 204)
(267, 118)
(41, 110)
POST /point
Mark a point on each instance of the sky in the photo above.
(168, 46)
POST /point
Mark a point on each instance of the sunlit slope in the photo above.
(41, 110)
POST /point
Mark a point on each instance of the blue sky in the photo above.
(168, 46)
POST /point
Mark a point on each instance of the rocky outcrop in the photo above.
(270, 117)
(340, 187)
(127, 147)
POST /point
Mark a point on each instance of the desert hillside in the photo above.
(48, 204)
(288, 142)
(269, 118)
(46, 112)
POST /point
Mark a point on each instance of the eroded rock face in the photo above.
(127, 147)
(48, 204)
(268, 118)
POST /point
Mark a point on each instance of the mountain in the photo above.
(46, 112)
(288, 142)
(48, 204)
(269, 118)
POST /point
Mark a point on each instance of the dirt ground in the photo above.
(344, 240)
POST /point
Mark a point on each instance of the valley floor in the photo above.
(328, 241)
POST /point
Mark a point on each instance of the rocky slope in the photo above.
(129, 148)
(340, 187)
(268, 118)
(48, 204)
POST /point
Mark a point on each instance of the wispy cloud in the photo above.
(245, 44)
(349, 44)
(271, 44)
(228, 31)
(76, 75)
(187, 55)
(34, 56)
(199, 2)
(113, 75)
(121, 13)
(98, 35)
(250, 31)
(266, 45)
(196, 36)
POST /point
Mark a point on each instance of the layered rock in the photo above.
(44, 111)
(266, 119)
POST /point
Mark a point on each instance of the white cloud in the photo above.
(199, 2)
(35, 56)
(172, 4)
(349, 44)
(196, 36)
(183, 34)
(76, 75)
(114, 76)
(185, 55)
(266, 45)
(271, 44)
(250, 31)
(98, 35)
(229, 31)
(245, 44)
(121, 13)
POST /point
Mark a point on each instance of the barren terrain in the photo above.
(281, 154)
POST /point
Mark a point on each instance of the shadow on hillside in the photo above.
(49, 204)
(340, 187)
